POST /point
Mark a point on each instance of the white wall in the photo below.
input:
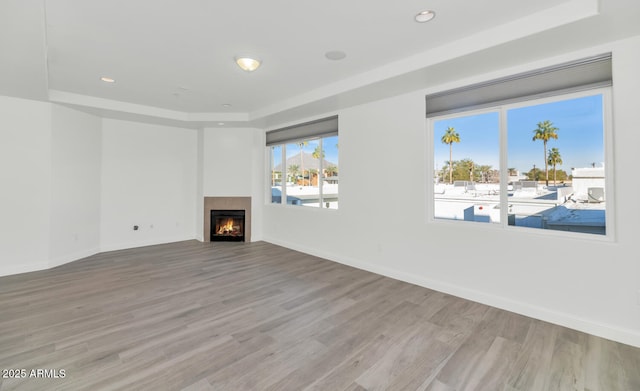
(228, 161)
(25, 185)
(148, 179)
(75, 185)
(593, 286)
(233, 166)
(199, 196)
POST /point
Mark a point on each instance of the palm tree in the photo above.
(293, 171)
(450, 136)
(318, 153)
(485, 172)
(545, 132)
(331, 170)
(448, 165)
(302, 144)
(554, 159)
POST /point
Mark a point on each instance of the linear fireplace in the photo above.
(227, 225)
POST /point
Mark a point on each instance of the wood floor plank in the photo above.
(531, 367)
(270, 365)
(567, 366)
(342, 376)
(193, 316)
(409, 363)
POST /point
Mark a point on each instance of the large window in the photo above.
(535, 161)
(304, 164)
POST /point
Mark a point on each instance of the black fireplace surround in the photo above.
(227, 225)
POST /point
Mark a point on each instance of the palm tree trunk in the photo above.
(546, 164)
(450, 165)
(301, 166)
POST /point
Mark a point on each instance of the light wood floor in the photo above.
(255, 316)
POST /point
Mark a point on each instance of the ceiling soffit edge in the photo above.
(559, 15)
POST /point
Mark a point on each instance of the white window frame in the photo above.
(607, 102)
(283, 198)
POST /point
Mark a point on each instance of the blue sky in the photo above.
(580, 135)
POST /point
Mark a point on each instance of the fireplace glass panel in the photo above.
(227, 225)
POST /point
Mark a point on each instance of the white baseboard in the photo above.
(11, 270)
(256, 238)
(72, 257)
(607, 331)
(152, 242)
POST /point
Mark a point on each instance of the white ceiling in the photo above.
(173, 60)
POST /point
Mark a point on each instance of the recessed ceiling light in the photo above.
(335, 55)
(107, 79)
(220, 123)
(247, 64)
(226, 105)
(425, 16)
